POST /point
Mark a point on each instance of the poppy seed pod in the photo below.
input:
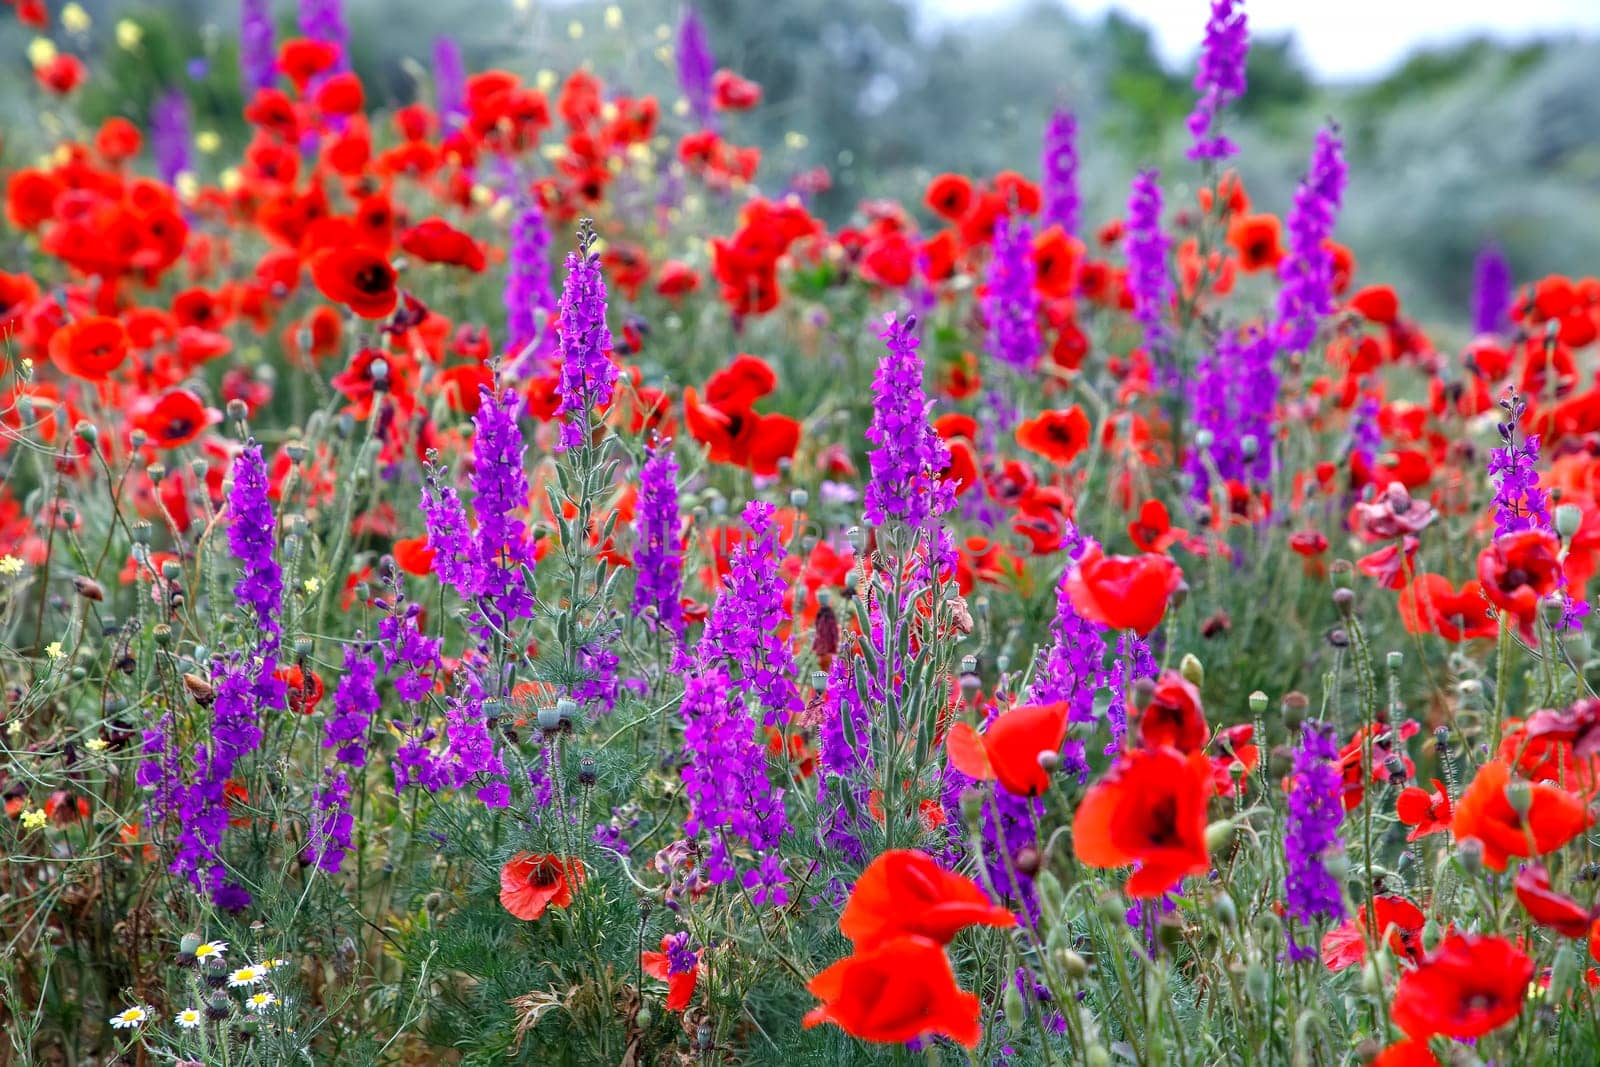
(1568, 518)
(1193, 671)
(1258, 703)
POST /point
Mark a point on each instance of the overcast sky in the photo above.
(1338, 38)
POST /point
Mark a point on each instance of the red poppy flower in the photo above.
(1257, 240)
(1554, 817)
(1174, 717)
(341, 94)
(741, 383)
(1426, 813)
(1577, 726)
(1123, 592)
(414, 555)
(1153, 531)
(1547, 907)
(434, 240)
(1233, 744)
(1308, 543)
(1430, 604)
(175, 418)
(1346, 944)
(359, 278)
(1055, 262)
(1387, 741)
(680, 986)
(61, 74)
(733, 93)
(1519, 569)
(529, 883)
(1406, 1054)
(904, 893)
(90, 348)
(1465, 988)
(301, 59)
(676, 278)
(1011, 748)
(949, 196)
(1149, 809)
(1377, 304)
(118, 139)
(1056, 435)
(304, 688)
(900, 990)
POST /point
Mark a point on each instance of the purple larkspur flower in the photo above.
(1072, 670)
(169, 135)
(252, 540)
(1491, 290)
(1146, 245)
(1305, 293)
(587, 374)
(471, 757)
(658, 555)
(907, 455)
(258, 58)
(696, 66)
(742, 632)
(731, 795)
(1311, 835)
(501, 547)
(323, 20)
(328, 836)
(528, 298)
(1010, 302)
(844, 757)
(1219, 79)
(450, 85)
(1059, 172)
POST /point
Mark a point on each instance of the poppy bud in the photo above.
(1396, 660)
(1144, 691)
(1258, 702)
(1112, 910)
(644, 1017)
(1469, 851)
(1193, 671)
(1016, 1013)
(86, 431)
(1249, 446)
(798, 498)
(1204, 439)
(88, 588)
(972, 806)
(237, 410)
(1344, 600)
(1374, 974)
(1294, 709)
(1226, 911)
(1027, 862)
(1338, 638)
(1180, 593)
(1568, 518)
(1519, 795)
(1219, 835)
(1554, 607)
(188, 944)
(1052, 898)
(1074, 966)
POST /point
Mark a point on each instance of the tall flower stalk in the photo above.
(1305, 294)
(1220, 80)
(1311, 839)
(1059, 172)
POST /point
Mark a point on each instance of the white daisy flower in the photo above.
(130, 1018)
(210, 949)
(260, 1001)
(249, 974)
(274, 963)
(189, 1018)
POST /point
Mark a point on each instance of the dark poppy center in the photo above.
(1515, 578)
(1161, 821)
(179, 427)
(373, 279)
(544, 874)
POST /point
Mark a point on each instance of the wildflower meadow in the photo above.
(494, 575)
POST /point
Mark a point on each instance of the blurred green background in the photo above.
(1482, 140)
